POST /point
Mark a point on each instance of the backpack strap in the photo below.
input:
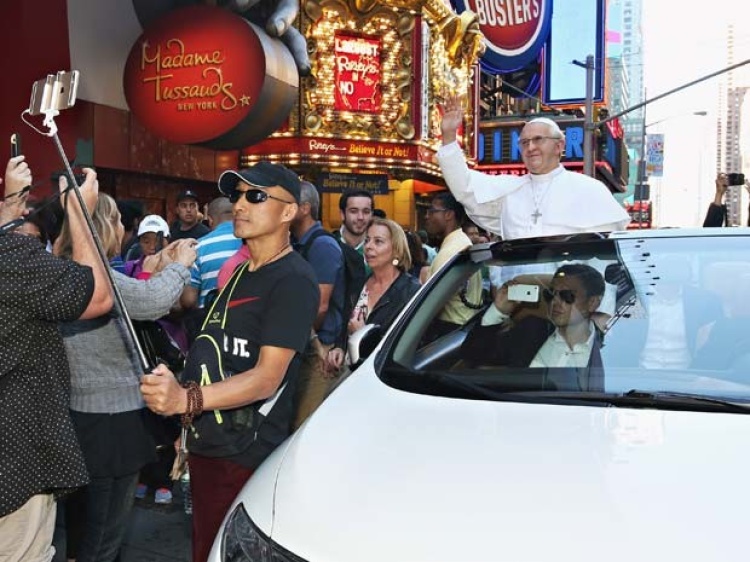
(305, 249)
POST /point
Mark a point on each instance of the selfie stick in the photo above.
(49, 121)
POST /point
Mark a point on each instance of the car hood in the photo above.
(380, 474)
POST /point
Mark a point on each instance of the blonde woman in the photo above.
(105, 401)
(388, 288)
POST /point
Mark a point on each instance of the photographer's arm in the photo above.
(84, 248)
(716, 213)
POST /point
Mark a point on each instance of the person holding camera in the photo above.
(40, 459)
(717, 210)
(105, 401)
(717, 214)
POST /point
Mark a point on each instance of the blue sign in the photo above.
(577, 31)
(377, 184)
(500, 146)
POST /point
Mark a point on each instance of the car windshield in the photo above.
(658, 315)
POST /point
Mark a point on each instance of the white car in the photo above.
(629, 443)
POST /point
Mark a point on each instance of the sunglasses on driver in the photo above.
(254, 196)
(568, 296)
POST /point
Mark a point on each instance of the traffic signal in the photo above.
(642, 192)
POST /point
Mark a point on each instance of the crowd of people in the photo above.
(251, 304)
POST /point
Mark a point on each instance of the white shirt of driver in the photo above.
(555, 352)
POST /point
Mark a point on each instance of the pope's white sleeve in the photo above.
(479, 193)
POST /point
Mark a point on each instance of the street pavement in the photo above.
(157, 533)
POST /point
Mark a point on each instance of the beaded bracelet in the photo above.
(194, 403)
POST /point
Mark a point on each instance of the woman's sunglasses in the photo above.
(566, 295)
(254, 196)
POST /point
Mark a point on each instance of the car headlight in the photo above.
(242, 541)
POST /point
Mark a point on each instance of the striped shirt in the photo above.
(213, 250)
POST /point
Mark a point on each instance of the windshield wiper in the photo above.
(661, 398)
(636, 398)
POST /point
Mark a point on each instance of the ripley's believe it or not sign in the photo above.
(357, 73)
(514, 30)
(205, 76)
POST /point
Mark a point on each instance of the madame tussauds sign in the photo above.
(203, 75)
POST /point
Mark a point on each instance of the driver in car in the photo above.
(565, 338)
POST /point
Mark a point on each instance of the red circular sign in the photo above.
(508, 24)
(197, 76)
(514, 30)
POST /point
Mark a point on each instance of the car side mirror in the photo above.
(363, 342)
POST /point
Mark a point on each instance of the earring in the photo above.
(394, 262)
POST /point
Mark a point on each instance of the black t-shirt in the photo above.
(273, 306)
(39, 451)
(196, 231)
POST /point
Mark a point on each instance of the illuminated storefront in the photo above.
(370, 105)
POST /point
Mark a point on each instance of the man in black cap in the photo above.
(241, 370)
(189, 224)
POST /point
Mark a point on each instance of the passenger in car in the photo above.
(565, 339)
(725, 343)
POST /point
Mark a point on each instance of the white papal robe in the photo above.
(560, 202)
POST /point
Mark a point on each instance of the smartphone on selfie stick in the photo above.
(49, 96)
(15, 145)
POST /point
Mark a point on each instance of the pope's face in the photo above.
(540, 150)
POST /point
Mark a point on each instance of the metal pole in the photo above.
(641, 169)
(588, 126)
(103, 256)
(670, 92)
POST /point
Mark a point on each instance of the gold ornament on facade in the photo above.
(456, 43)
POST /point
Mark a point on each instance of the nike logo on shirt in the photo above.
(238, 302)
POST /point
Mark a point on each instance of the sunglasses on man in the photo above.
(254, 196)
(568, 296)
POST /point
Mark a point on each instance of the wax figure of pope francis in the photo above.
(548, 201)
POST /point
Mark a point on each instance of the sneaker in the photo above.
(140, 491)
(163, 495)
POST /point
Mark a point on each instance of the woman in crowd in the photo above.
(388, 288)
(105, 401)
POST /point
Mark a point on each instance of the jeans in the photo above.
(97, 516)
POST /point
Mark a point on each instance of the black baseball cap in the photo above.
(262, 174)
(188, 194)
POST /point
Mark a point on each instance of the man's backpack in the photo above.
(355, 274)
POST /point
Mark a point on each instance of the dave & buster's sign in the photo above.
(203, 75)
(357, 73)
(514, 30)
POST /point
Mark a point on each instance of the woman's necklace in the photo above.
(269, 260)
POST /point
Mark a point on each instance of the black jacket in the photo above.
(715, 216)
(393, 301)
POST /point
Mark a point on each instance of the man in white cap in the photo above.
(547, 201)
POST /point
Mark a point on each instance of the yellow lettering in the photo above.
(177, 57)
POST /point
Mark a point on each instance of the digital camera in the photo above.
(735, 179)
